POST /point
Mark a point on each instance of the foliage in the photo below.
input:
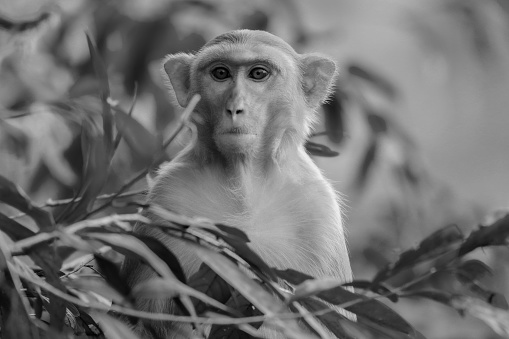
(59, 277)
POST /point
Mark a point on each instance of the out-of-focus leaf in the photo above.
(111, 273)
(165, 254)
(253, 292)
(13, 138)
(367, 310)
(435, 295)
(13, 229)
(377, 288)
(377, 122)
(496, 234)
(208, 282)
(496, 318)
(145, 145)
(14, 196)
(99, 286)
(113, 328)
(330, 319)
(130, 114)
(435, 245)
(334, 118)
(95, 170)
(382, 84)
(104, 89)
(366, 164)
(319, 150)
(472, 270)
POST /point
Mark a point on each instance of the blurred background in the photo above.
(418, 117)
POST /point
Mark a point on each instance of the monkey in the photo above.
(248, 167)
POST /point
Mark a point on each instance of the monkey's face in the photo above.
(243, 91)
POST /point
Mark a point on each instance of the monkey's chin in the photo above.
(235, 143)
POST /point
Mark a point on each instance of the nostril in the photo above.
(239, 111)
(229, 111)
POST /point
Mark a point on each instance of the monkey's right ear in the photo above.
(178, 69)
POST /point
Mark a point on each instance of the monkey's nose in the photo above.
(237, 111)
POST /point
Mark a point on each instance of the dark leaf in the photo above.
(13, 229)
(330, 319)
(145, 146)
(367, 310)
(495, 234)
(334, 118)
(233, 231)
(377, 123)
(14, 322)
(432, 247)
(379, 82)
(472, 270)
(227, 332)
(14, 196)
(104, 88)
(366, 164)
(208, 282)
(95, 170)
(165, 254)
(320, 150)
(435, 295)
(111, 273)
(46, 258)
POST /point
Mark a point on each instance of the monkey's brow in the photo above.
(240, 62)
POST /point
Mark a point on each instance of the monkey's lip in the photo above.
(236, 131)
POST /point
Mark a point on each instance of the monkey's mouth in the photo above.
(236, 131)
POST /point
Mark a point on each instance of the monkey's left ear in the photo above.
(178, 69)
(319, 73)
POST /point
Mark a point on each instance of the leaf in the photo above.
(314, 148)
(99, 286)
(13, 195)
(367, 310)
(331, 320)
(379, 82)
(376, 288)
(104, 89)
(227, 332)
(377, 122)
(366, 164)
(111, 273)
(472, 270)
(208, 282)
(334, 118)
(145, 146)
(95, 170)
(165, 254)
(14, 322)
(494, 317)
(495, 234)
(253, 292)
(13, 229)
(233, 231)
(312, 287)
(113, 328)
(432, 247)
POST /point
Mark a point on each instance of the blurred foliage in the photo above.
(70, 127)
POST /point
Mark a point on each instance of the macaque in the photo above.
(249, 167)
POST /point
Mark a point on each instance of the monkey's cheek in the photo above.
(235, 143)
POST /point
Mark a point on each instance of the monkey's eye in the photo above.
(258, 73)
(220, 73)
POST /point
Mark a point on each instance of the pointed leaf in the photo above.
(314, 148)
(208, 282)
(11, 194)
(104, 88)
(13, 229)
(496, 234)
(331, 320)
(366, 164)
(435, 245)
(99, 286)
(144, 145)
(112, 274)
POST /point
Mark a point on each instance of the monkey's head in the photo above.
(258, 95)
